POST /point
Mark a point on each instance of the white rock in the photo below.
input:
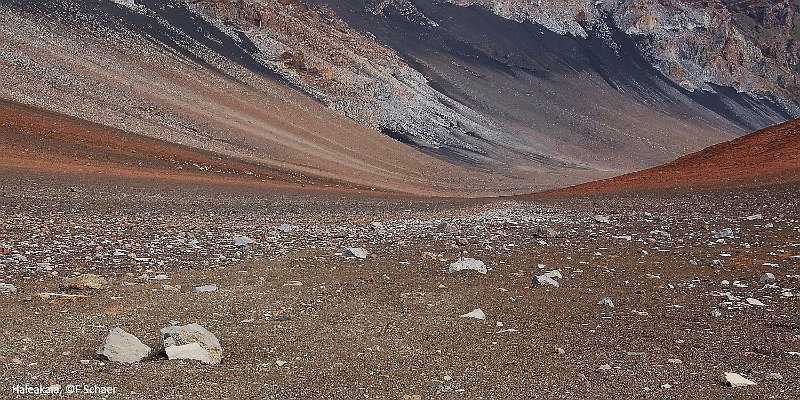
(754, 217)
(476, 313)
(736, 380)
(121, 346)
(548, 278)
(190, 351)
(285, 228)
(606, 301)
(468, 264)
(768, 278)
(7, 288)
(191, 342)
(242, 241)
(206, 288)
(544, 279)
(281, 363)
(755, 302)
(602, 219)
(356, 252)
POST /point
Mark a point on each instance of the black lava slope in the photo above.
(595, 97)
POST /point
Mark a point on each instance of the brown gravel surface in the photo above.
(388, 326)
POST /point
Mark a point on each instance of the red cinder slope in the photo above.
(768, 156)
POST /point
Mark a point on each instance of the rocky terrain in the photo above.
(702, 284)
(288, 200)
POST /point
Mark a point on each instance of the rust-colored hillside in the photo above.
(771, 155)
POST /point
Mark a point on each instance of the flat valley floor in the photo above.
(297, 319)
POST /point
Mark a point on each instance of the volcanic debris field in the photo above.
(298, 316)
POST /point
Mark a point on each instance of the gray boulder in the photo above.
(121, 346)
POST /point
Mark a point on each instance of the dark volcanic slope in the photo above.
(770, 155)
(595, 98)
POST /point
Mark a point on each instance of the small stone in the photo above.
(377, 227)
(602, 219)
(84, 282)
(716, 313)
(754, 217)
(547, 278)
(428, 256)
(356, 252)
(242, 241)
(755, 302)
(281, 363)
(293, 283)
(191, 342)
(768, 278)
(606, 301)
(560, 351)
(476, 313)
(7, 288)
(206, 288)
(285, 228)
(604, 367)
(171, 288)
(736, 380)
(660, 235)
(161, 277)
(120, 346)
(725, 233)
(468, 264)
(412, 397)
(675, 361)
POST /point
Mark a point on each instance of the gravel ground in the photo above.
(389, 326)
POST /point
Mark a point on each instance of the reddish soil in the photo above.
(39, 141)
(768, 156)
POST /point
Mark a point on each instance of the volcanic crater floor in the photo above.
(296, 318)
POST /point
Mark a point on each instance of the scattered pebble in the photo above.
(476, 313)
(736, 380)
